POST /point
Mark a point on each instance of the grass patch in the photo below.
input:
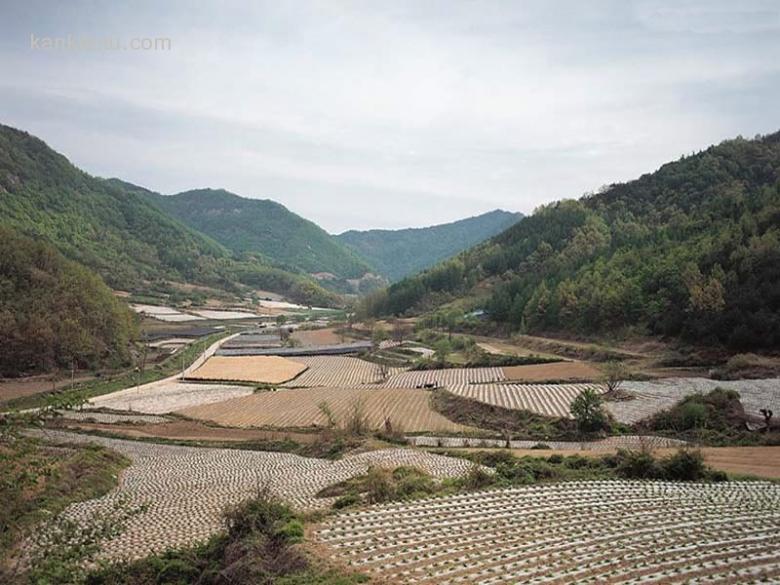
(39, 480)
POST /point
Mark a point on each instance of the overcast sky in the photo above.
(391, 114)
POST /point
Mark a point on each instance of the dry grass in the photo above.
(301, 408)
(255, 368)
(558, 371)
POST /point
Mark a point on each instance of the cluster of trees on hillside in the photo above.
(112, 228)
(55, 313)
(262, 227)
(692, 250)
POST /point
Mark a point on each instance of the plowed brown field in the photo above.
(407, 409)
(254, 368)
(558, 371)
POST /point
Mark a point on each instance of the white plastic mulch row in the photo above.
(446, 378)
(185, 490)
(648, 397)
(168, 396)
(597, 531)
(657, 395)
(547, 399)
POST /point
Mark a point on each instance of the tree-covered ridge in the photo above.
(116, 231)
(54, 312)
(399, 253)
(691, 250)
(263, 227)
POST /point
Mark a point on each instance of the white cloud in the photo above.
(398, 113)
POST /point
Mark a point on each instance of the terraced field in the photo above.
(185, 490)
(546, 399)
(335, 371)
(447, 377)
(649, 397)
(657, 395)
(164, 397)
(408, 409)
(636, 532)
(269, 369)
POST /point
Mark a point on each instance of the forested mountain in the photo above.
(691, 250)
(54, 312)
(263, 227)
(116, 231)
(399, 253)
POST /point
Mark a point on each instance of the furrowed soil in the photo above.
(558, 371)
(407, 409)
(260, 369)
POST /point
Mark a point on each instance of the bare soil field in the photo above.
(408, 409)
(16, 388)
(318, 337)
(186, 430)
(558, 371)
(259, 369)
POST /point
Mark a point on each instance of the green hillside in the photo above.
(54, 312)
(691, 251)
(265, 227)
(116, 231)
(399, 253)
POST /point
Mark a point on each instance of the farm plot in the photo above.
(658, 395)
(407, 409)
(445, 378)
(327, 336)
(168, 396)
(546, 399)
(110, 417)
(185, 490)
(574, 532)
(557, 371)
(334, 371)
(167, 314)
(259, 369)
(222, 315)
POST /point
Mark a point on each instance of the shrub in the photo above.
(477, 478)
(346, 501)
(635, 464)
(685, 465)
(379, 485)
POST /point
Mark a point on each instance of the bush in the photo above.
(379, 485)
(685, 465)
(636, 465)
(346, 501)
(477, 478)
